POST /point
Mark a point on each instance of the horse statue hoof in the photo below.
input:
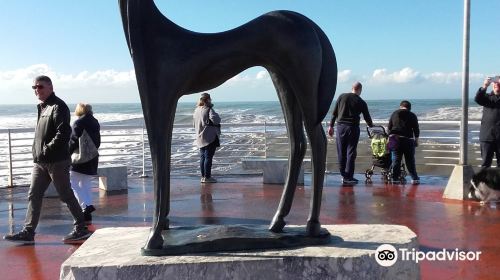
(313, 229)
(277, 225)
(155, 241)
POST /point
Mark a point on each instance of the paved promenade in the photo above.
(439, 224)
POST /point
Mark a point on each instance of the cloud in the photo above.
(25, 76)
(409, 75)
(104, 78)
(263, 75)
(405, 75)
(453, 77)
(111, 85)
(101, 85)
(344, 76)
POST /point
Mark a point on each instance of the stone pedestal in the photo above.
(115, 253)
(459, 182)
(274, 170)
(112, 177)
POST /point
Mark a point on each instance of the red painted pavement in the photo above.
(244, 199)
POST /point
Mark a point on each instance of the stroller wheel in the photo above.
(385, 178)
(368, 173)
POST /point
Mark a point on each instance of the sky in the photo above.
(398, 49)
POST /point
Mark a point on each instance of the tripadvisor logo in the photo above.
(387, 255)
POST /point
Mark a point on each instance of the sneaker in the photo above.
(210, 180)
(22, 237)
(350, 181)
(415, 182)
(77, 236)
(87, 214)
(202, 180)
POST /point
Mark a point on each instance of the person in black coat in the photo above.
(82, 173)
(404, 130)
(347, 111)
(489, 133)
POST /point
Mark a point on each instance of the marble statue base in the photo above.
(115, 253)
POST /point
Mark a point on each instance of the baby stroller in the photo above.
(381, 155)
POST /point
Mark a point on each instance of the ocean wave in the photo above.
(451, 114)
(24, 116)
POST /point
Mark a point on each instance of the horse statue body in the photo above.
(171, 62)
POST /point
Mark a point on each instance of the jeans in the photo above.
(82, 187)
(488, 148)
(406, 148)
(41, 176)
(347, 144)
(206, 156)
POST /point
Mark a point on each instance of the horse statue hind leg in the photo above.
(171, 62)
(305, 100)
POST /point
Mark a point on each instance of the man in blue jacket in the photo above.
(489, 134)
(51, 159)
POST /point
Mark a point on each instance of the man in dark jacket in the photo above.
(404, 130)
(51, 164)
(489, 134)
(346, 111)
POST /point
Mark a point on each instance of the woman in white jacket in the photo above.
(207, 128)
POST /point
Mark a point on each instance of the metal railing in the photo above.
(437, 154)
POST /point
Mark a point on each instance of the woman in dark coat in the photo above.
(82, 173)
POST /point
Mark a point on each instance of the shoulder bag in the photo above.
(86, 149)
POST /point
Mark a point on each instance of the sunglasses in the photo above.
(37, 87)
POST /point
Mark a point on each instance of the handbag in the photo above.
(211, 123)
(86, 150)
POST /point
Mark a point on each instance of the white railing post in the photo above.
(10, 182)
(143, 155)
(265, 139)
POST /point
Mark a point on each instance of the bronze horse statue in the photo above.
(171, 61)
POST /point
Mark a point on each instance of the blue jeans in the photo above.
(347, 144)
(206, 156)
(406, 148)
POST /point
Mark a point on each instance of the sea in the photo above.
(24, 116)
(236, 144)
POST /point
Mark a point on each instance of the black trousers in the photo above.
(347, 144)
(488, 148)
